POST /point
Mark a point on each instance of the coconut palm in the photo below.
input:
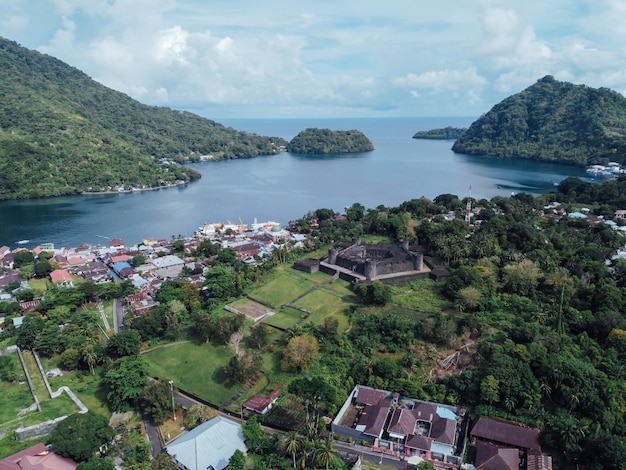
(326, 453)
(292, 446)
(90, 356)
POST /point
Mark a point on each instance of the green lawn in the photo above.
(285, 318)
(35, 376)
(282, 289)
(194, 367)
(323, 303)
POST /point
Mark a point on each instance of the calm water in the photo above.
(282, 187)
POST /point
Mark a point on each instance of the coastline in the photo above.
(133, 190)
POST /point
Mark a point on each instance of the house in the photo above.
(141, 303)
(259, 404)
(516, 437)
(4, 250)
(61, 278)
(406, 427)
(620, 214)
(208, 446)
(116, 243)
(505, 433)
(37, 457)
(492, 457)
(168, 266)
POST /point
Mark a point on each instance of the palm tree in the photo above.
(292, 446)
(90, 357)
(509, 403)
(545, 388)
(326, 453)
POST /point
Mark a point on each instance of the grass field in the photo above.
(323, 303)
(15, 396)
(286, 318)
(194, 367)
(282, 289)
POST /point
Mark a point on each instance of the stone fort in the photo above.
(362, 262)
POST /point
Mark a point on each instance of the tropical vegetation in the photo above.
(529, 327)
(325, 141)
(62, 133)
(444, 133)
(552, 121)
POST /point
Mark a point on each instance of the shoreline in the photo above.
(133, 190)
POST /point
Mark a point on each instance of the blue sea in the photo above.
(283, 187)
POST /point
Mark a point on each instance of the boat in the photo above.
(22, 242)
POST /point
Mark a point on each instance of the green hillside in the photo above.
(315, 141)
(63, 133)
(552, 121)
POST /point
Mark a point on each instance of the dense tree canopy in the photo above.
(445, 133)
(61, 133)
(554, 121)
(325, 141)
(79, 436)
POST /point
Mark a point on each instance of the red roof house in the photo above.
(60, 277)
(259, 404)
(116, 243)
(37, 457)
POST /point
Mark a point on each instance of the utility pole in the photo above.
(172, 391)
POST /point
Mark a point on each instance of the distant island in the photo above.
(63, 133)
(443, 133)
(314, 141)
(552, 121)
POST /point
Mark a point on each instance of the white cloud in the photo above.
(442, 80)
(400, 56)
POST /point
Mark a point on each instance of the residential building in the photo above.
(259, 404)
(411, 429)
(208, 446)
(61, 278)
(37, 457)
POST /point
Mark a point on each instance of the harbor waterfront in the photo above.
(282, 187)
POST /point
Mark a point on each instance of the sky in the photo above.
(327, 58)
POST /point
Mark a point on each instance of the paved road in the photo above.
(153, 434)
(118, 315)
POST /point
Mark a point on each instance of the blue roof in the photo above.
(209, 445)
(121, 265)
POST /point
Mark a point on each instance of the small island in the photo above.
(315, 141)
(444, 133)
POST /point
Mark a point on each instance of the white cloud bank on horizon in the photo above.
(326, 58)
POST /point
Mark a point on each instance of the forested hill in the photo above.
(315, 141)
(62, 132)
(552, 121)
(445, 133)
